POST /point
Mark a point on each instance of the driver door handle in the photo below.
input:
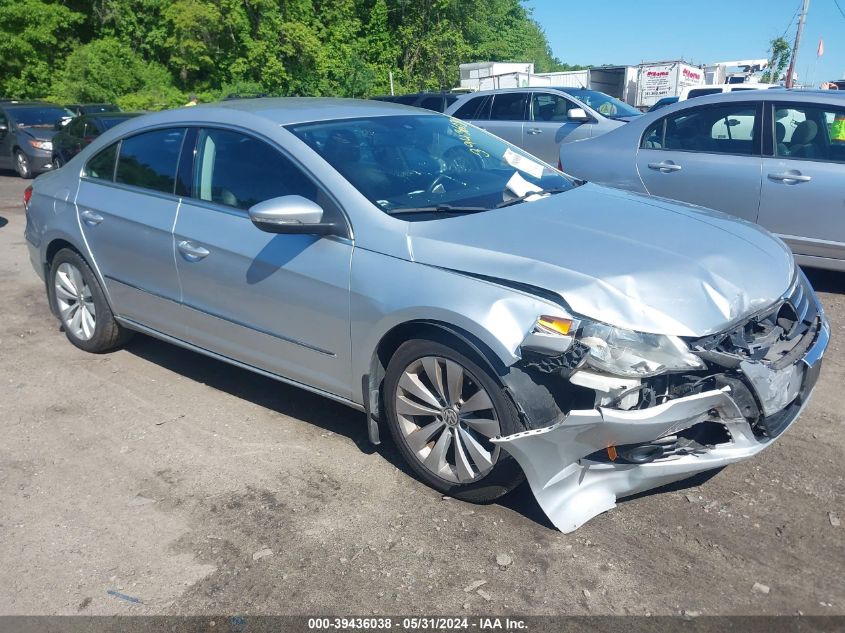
(664, 167)
(90, 217)
(792, 177)
(533, 130)
(191, 251)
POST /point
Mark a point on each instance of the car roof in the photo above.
(110, 115)
(288, 110)
(784, 94)
(505, 90)
(28, 104)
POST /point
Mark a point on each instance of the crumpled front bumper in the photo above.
(571, 488)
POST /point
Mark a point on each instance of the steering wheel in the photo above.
(439, 181)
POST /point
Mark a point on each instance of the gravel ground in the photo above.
(196, 487)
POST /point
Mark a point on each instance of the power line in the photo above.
(836, 2)
(792, 20)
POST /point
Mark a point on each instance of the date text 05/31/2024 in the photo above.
(417, 623)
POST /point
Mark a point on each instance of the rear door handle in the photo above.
(793, 177)
(664, 167)
(90, 217)
(533, 130)
(191, 251)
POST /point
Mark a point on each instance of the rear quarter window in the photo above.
(101, 164)
(474, 109)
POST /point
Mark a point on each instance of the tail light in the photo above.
(27, 196)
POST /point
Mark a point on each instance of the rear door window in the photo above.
(509, 106)
(149, 160)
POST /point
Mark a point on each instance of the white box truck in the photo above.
(512, 80)
(616, 81)
(665, 79)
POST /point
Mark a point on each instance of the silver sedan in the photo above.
(498, 318)
(774, 157)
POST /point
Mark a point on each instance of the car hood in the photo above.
(40, 133)
(626, 259)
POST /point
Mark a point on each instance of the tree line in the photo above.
(150, 54)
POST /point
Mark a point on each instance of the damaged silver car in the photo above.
(499, 318)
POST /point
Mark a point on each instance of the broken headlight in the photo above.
(635, 354)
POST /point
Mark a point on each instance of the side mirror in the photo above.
(577, 114)
(290, 214)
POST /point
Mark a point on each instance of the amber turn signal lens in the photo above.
(556, 324)
(611, 453)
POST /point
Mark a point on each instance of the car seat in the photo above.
(343, 151)
(780, 134)
(803, 140)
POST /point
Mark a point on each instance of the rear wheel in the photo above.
(442, 410)
(86, 318)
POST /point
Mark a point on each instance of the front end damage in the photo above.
(626, 434)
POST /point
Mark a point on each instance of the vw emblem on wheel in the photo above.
(450, 417)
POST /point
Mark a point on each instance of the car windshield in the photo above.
(40, 116)
(609, 106)
(430, 163)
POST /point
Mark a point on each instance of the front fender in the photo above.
(387, 292)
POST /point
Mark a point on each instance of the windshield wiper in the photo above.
(440, 208)
(522, 198)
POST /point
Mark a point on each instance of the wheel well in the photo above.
(55, 246)
(440, 332)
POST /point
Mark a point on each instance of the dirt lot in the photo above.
(196, 487)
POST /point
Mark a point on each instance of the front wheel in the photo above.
(85, 314)
(442, 410)
(22, 165)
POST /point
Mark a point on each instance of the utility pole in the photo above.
(797, 43)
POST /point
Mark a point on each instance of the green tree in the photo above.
(34, 35)
(106, 70)
(779, 52)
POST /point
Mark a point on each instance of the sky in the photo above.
(629, 32)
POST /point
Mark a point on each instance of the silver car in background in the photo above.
(774, 157)
(499, 318)
(539, 120)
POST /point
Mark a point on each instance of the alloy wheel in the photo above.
(22, 164)
(75, 302)
(447, 419)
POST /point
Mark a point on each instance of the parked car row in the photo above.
(34, 137)
(774, 157)
(539, 120)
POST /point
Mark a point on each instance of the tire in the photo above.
(410, 396)
(22, 165)
(74, 290)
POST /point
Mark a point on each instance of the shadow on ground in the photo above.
(326, 414)
(826, 280)
(3, 221)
